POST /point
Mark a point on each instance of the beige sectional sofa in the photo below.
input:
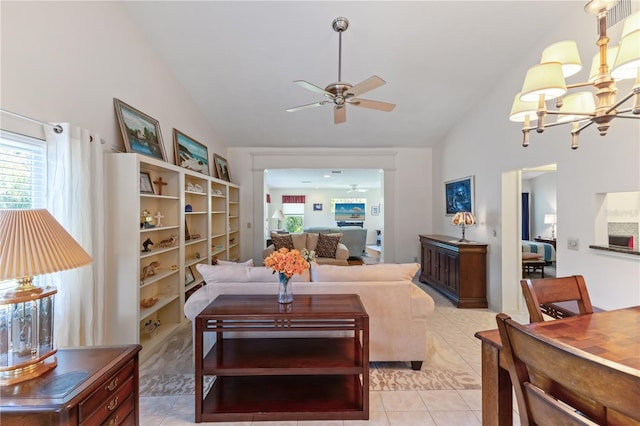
(398, 309)
(310, 241)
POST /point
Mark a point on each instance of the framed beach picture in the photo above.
(190, 153)
(459, 195)
(221, 167)
(141, 133)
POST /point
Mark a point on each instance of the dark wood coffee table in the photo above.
(294, 370)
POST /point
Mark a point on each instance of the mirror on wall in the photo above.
(618, 220)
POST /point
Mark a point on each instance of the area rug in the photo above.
(170, 371)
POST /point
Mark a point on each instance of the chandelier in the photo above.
(546, 81)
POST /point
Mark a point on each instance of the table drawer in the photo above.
(110, 405)
(124, 415)
(106, 391)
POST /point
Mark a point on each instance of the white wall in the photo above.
(543, 201)
(66, 61)
(486, 144)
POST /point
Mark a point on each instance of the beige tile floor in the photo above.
(455, 327)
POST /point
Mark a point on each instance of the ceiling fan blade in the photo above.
(314, 88)
(315, 104)
(371, 83)
(366, 103)
(339, 114)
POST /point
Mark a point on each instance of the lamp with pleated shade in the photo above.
(463, 220)
(278, 215)
(32, 243)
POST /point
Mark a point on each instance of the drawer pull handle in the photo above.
(112, 404)
(113, 384)
(113, 421)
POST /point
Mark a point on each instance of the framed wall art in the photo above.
(222, 168)
(459, 195)
(190, 153)
(188, 276)
(317, 207)
(141, 133)
(375, 210)
(146, 187)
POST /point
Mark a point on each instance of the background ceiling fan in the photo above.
(354, 188)
(341, 93)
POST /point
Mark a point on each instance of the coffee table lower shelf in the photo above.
(294, 397)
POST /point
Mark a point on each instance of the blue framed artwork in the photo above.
(459, 195)
(350, 211)
(317, 207)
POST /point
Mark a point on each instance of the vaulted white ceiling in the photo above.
(238, 61)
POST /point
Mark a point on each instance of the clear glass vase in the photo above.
(285, 293)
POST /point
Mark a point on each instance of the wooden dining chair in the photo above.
(540, 294)
(556, 384)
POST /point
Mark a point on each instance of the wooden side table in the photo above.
(308, 376)
(90, 385)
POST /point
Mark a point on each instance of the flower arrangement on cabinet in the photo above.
(287, 262)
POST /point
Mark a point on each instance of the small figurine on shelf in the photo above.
(159, 216)
(151, 326)
(214, 260)
(169, 242)
(188, 208)
(146, 245)
(197, 255)
(146, 219)
(150, 270)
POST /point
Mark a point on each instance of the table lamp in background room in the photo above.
(32, 243)
(550, 219)
(463, 220)
(278, 215)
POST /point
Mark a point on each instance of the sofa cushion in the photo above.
(242, 274)
(282, 241)
(327, 245)
(299, 241)
(381, 272)
(228, 262)
(312, 241)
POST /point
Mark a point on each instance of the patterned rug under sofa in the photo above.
(171, 370)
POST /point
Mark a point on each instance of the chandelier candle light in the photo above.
(463, 220)
(32, 243)
(546, 81)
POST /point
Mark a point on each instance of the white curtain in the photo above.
(76, 198)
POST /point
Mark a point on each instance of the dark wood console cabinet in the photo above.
(95, 385)
(456, 269)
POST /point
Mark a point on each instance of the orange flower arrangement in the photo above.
(287, 262)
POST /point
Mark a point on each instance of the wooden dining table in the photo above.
(612, 335)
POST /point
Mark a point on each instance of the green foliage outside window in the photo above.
(293, 224)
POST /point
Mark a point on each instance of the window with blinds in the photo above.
(23, 172)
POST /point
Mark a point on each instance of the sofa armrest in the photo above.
(342, 252)
(267, 252)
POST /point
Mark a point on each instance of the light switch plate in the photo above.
(573, 244)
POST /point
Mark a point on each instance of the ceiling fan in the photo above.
(341, 93)
(354, 188)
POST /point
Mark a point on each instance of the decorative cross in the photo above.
(159, 217)
(160, 184)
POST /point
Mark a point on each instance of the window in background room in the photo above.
(293, 210)
(23, 175)
(293, 217)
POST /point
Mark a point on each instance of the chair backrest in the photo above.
(556, 384)
(550, 290)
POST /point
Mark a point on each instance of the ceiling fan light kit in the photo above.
(341, 93)
(546, 80)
